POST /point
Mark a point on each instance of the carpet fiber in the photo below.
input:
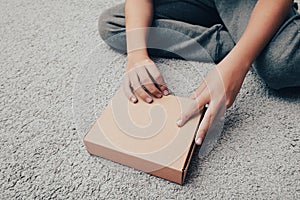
(57, 76)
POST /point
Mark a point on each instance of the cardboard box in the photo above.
(145, 136)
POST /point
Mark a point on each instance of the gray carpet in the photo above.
(56, 78)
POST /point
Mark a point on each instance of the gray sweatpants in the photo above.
(216, 29)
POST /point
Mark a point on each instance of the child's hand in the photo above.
(143, 78)
(219, 90)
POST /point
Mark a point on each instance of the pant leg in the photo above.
(201, 37)
(279, 63)
(194, 12)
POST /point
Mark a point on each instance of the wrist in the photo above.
(138, 54)
(233, 68)
(236, 63)
(135, 57)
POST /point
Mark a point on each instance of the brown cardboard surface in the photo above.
(145, 136)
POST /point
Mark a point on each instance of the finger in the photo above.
(187, 113)
(138, 89)
(199, 90)
(128, 90)
(158, 78)
(164, 89)
(153, 90)
(204, 125)
(198, 105)
(146, 81)
(144, 95)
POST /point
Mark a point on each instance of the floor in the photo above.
(56, 78)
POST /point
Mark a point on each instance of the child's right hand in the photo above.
(143, 78)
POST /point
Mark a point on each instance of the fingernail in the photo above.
(179, 122)
(148, 99)
(159, 96)
(133, 99)
(198, 140)
(166, 92)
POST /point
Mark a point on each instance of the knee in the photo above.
(270, 74)
(279, 72)
(279, 63)
(103, 25)
(111, 27)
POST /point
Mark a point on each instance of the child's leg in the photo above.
(189, 18)
(279, 63)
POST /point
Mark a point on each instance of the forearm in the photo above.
(142, 78)
(265, 20)
(138, 16)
